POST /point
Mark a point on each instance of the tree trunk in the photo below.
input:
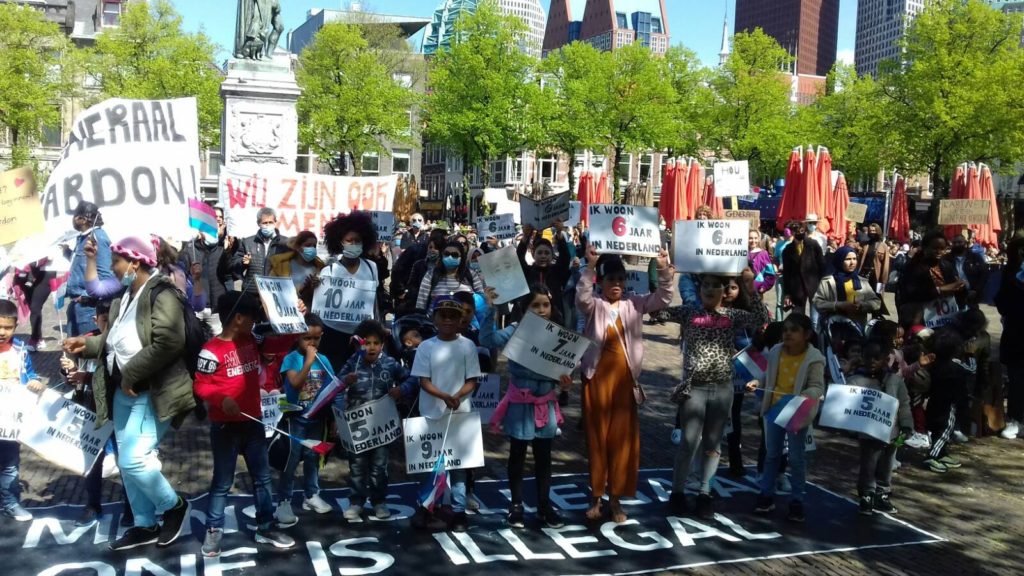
(571, 175)
(617, 195)
(466, 192)
(940, 190)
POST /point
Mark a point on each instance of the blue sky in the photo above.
(696, 24)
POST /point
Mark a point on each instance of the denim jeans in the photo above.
(80, 319)
(773, 437)
(301, 429)
(94, 480)
(368, 476)
(10, 487)
(138, 433)
(228, 440)
(457, 479)
(703, 416)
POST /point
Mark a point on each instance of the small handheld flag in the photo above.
(434, 490)
(203, 218)
(324, 397)
(750, 364)
(318, 446)
(792, 412)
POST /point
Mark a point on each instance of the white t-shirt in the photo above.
(123, 339)
(448, 364)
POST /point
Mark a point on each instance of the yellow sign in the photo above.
(753, 215)
(963, 212)
(856, 212)
(21, 213)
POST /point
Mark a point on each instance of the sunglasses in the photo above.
(453, 254)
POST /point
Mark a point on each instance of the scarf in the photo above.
(842, 277)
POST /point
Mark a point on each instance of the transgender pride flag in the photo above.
(203, 218)
(749, 364)
(434, 490)
(792, 412)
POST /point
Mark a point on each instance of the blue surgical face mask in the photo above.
(267, 231)
(309, 253)
(451, 262)
(811, 227)
(351, 251)
(128, 279)
(474, 266)
(432, 256)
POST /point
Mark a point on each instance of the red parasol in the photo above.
(715, 202)
(603, 194)
(987, 234)
(899, 220)
(585, 194)
(826, 205)
(671, 207)
(793, 205)
(694, 187)
(809, 185)
(840, 199)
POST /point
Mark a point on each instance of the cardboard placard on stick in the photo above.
(624, 229)
(752, 216)
(503, 272)
(856, 212)
(732, 178)
(21, 215)
(545, 347)
(963, 212)
(500, 226)
(384, 222)
(281, 302)
(711, 246)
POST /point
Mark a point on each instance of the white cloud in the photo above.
(845, 56)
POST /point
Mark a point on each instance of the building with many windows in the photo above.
(442, 24)
(607, 24)
(880, 26)
(808, 29)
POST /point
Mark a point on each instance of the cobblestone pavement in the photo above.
(978, 510)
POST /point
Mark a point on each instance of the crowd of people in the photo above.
(157, 333)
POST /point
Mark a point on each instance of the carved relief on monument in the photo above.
(257, 137)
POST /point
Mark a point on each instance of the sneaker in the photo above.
(174, 522)
(274, 537)
(705, 507)
(472, 504)
(316, 504)
(866, 506)
(135, 537)
(959, 437)
(883, 504)
(284, 515)
(460, 522)
(31, 346)
(896, 464)
(17, 513)
(796, 511)
(950, 462)
(782, 484)
(551, 518)
(765, 504)
(677, 504)
(1011, 430)
(515, 516)
(211, 543)
(677, 437)
(127, 516)
(41, 345)
(424, 519)
(935, 466)
(354, 512)
(381, 511)
(88, 517)
(919, 441)
(110, 466)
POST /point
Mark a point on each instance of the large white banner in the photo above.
(859, 409)
(344, 300)
(621, 229)
(542, 213)
(463, 448)
(545, 347)
(500, 226)
(302, 201)
(64, 433)
(711, 246)
(281, 302)
(732, 178)
(487, 396)
(369, 425)
(502, 271)
(137, 160)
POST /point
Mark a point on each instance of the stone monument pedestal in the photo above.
(260, 126)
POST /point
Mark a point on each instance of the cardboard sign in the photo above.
(711, 246)
(545, 347)
(21, 215)
(856, 212)
(270, 413)
(344, 301)
(463, 448)
(860, 410)
(500, 226)
(963, 212)
(15, 402)
(64, 433)
(487, 396)
(502, 271)
(369, 425)
(542, 213)
(940, 312)
(385, 224)
(637, 282)
(732, 178)
(281, 302)
(302, 201)
(621, 229)
(137, 160)
(752, 216)
(574, 214)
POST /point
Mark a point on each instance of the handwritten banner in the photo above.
(15, 402)
(711, 246)
(732, 178)
(752, 216)
(500, 226)
(302, 201)
(542, 213)
(281, 302)
(856, 212)
(502, 271)
(385, 224)
(545, 347)
(21, 215)
(620, 229)
(463, 448)
(963, 212)
(369, 425)
(637, 282)
(860, 410)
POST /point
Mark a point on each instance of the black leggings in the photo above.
(541, 465)
(735, 437)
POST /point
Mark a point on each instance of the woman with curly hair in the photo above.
(346, 292)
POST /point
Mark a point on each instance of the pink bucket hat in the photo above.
(135, 248)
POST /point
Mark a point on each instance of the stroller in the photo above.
(417, 321)
(837, 334)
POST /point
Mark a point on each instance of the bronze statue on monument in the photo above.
(258, 27)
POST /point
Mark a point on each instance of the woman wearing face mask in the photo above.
(760, 262)
(346, 289)
(845, 292)
(143, 384)
(301, 264)
(450, 274)
(927, 278)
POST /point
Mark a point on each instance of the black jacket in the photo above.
(975, 273)
(554, 276)
(1010, 303)
(801, 273)
(260, 262)
(213, 278)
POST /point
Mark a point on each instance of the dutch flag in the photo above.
(792, 412)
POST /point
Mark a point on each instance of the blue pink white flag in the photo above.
(750, 364)
(203, 218)
(792, 412)
(433, 492)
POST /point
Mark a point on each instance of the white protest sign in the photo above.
(15, 402)
(385, 224)
(369, 425)
(302, 201)
(271, 411)
(574, 214)
(545, 347)
(502, 271)
(64, 433)
(500, 226)
(732, 178)
(637, 282)
(542, 213)
(620, 229)
(860, 410)
(463, 448)
(710, 246)
(940, 312)
(344, 301)
(137, 160)
(281, 302)
(487, 396)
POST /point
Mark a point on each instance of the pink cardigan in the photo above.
(631, 311)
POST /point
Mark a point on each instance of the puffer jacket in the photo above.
(259, 265)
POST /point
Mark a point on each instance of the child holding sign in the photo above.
(370, 375)
(529, 412)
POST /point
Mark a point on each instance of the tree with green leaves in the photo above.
(352, 102)
(694, 101)
(34, 77)
(957, 95)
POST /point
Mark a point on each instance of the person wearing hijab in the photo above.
(845, 292)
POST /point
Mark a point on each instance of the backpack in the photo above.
(197, 333)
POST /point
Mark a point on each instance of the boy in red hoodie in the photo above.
(227, 379)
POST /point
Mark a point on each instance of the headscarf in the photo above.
(841, 276)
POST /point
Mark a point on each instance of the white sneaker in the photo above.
(472, 504)
(381, 512)
(959, 437)
(353, 512)
(284, 515)
(110, 466)
(896, 464)
(316, 504)
(919, 441)
(677, 436)
(1011, 430)
(782, 484)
